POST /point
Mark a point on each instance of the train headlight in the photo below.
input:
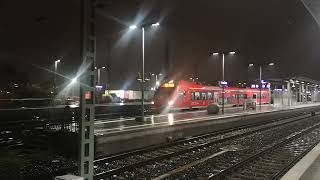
(170, 103)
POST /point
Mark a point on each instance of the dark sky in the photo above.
(38, 32)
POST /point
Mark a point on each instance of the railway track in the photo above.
(174, 159)
(275, 160)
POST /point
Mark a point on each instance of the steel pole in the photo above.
(222, 84)
(142, 82)
(55, 76)
(260, 85)
(99, 71)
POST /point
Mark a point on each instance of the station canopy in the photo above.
(313, 6)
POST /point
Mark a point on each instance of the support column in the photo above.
(300, 93)
(87, 90)
(289, 94)
(306, 94)
(282, 94)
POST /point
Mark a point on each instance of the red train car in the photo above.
(187, 95)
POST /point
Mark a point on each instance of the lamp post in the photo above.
(132, 27)
(157, 83)
(223, 83)
(99, 82)
(55, 74)
(261, 81)
(99, 73)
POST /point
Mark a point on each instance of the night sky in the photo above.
(35, 33)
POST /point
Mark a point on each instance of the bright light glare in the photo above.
(170, 119)
(103, 67)
(133, 27)
(271, 64)
(215, 53)
(250, 65)
(155, 24)
(232, 52)
(170, 103)
(74, 80)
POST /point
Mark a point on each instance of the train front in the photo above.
(164, 96)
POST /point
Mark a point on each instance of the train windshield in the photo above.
(164, 92)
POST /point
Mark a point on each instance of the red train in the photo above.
(187, 95)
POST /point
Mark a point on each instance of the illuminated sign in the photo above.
(168, 85)
(263, 82)
(224, 82)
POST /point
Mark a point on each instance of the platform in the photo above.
(109, 126)
(120, 135)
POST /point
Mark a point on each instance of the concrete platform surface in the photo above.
(170, 127)
(107, 126)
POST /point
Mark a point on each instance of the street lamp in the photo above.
(132, 27)
(99, 73)
(260, 79)
(99, 81)
(157, 82)
(223, 81)
(55, 73)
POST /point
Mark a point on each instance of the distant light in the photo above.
(99, 86)
(133, 27)
(157, 83)
(103, 67)
(171, 81)
(95, 68)
(58, 60)
(191, 78)
(155, 24)
(223, 82)
(215, 54)
(170, 103)
(271, 64)
(152, 74)
(250, 65)
(74, 80)
(160, 74)
(152, 102)
(232, 52)
(263, 81)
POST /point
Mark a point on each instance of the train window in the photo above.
(210, 96)
(203, 96)
(195, 96)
